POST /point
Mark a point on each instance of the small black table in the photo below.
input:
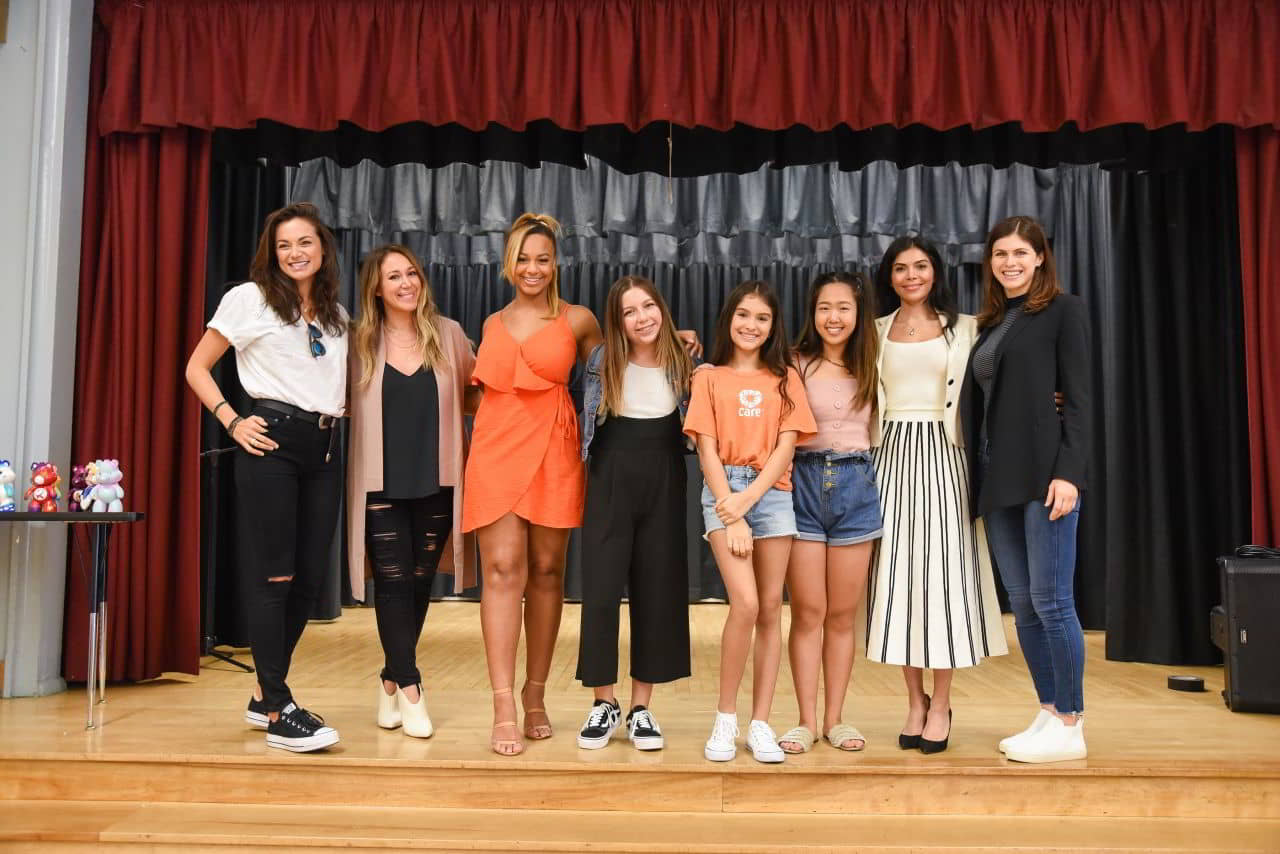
(101, 533)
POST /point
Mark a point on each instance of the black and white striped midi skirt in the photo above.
(932, 600)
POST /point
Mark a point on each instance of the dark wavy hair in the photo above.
(859, 354)
(281, 292)
(941, 298)
(774, 353)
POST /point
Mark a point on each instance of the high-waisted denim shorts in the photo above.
(836, 500)
(772, 515)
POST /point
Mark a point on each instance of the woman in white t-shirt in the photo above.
(290, 336)
(633, 530)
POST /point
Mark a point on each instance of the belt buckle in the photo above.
(324, 422)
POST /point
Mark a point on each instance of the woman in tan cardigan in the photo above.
(410, 374)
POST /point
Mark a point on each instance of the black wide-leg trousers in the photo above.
(633, 539)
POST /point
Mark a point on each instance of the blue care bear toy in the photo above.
(7, 478)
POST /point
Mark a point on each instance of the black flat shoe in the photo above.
(927, 746)
(911, 742)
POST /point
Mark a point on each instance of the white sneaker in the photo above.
(1041, 719)
(1054, 742)
(388, 709)
(721, 746)
(764, 743)
(417, 722)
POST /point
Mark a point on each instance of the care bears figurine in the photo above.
(43, 494)
(79, 483)
(104, 492)
(7, 478)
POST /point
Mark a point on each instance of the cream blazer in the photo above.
(364, 461)
(959, 344)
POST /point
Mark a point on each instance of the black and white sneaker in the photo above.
(643, 730)
(600, 725)
(256, 715)
(300, 731)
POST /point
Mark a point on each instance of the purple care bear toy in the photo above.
(7, 478)
(105, 492)
(43, 494)
(79, 483)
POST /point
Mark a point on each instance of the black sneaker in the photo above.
(256, 715)
(643, 730)
(300, 731)
(600, 724)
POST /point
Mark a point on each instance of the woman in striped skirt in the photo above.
(933, 601)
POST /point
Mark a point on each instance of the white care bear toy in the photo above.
(7, 478)
(105, 492)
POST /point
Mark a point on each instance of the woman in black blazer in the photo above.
(1027, 466)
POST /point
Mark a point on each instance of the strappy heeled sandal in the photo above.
(505, 746)
(537, 732)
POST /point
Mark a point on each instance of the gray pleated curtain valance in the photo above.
(800, 215)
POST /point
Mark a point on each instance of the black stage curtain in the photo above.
(1176, 490)
(705, 151)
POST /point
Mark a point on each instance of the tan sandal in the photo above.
(537, 732)
(841, 733)
(505, 746)
(800, 735)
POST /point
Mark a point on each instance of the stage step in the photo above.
(1067, 789)
(194, 827)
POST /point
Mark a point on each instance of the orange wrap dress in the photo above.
(525, 454)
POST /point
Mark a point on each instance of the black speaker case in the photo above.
(1248, 632)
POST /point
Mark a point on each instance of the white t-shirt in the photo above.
(274, 358)
(646, 393)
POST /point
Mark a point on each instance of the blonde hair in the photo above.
(675, 362)
(525, 225)
(369, 326)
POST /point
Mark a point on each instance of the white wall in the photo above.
(44, 72)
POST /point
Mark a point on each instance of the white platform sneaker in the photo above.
(1041, 719)
(1053, 742)
(722, 747)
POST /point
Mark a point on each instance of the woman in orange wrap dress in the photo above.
(527, 481)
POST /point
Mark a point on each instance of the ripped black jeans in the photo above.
(405, 538)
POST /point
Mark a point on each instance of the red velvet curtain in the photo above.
(141, 310)
(1258, 174)
(819, 63)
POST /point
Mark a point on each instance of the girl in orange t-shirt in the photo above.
(746, 414)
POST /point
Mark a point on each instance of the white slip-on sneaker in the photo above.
(721, 747)
(764, 743)
(1041, 719)
(1055, 742)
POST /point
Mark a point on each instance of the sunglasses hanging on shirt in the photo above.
(313, 338)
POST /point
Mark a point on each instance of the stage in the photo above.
(175, 768)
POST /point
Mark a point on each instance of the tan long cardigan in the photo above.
(364, 465)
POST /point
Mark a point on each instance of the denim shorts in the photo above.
(771, 516)
(836, 500)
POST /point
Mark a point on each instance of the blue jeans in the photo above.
(1037, 561)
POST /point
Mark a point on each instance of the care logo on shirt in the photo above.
(750, 400)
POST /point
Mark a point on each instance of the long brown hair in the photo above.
(1044, 283)
(859, 355)
(675, 362)
(774, 353)
(525, 225)
(373, 314)
(279, 291)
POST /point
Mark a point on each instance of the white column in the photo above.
(44, 64)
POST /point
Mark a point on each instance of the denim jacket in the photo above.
(593, 391)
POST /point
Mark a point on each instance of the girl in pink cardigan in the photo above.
(410, 374)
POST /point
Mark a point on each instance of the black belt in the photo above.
(324, 422)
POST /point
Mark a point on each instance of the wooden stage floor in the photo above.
(1211, 777)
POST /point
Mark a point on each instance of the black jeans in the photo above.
(405, 538)
(288, 509)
